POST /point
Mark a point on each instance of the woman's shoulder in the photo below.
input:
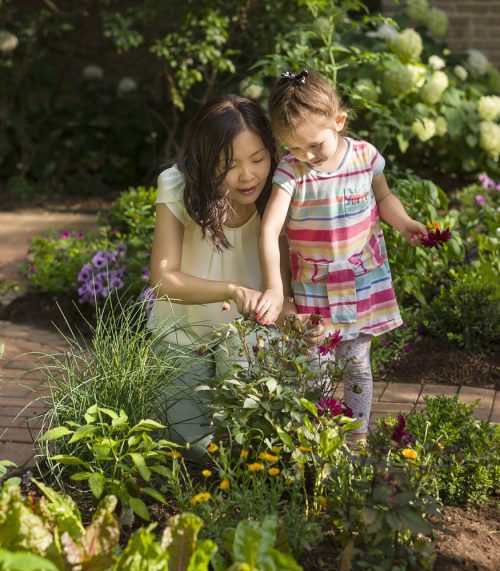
(170, 185)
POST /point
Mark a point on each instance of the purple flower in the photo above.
(85, 274)
(487, 182)
(148, 296)
(100, 260)
(31, 270)
(64, 234)
(145, 273)
(330, 343)
(332, 407)
(404, 326)
(121, 248)
(79, 234)
(399, 434)
(86, 293)
(480, 199)
(436, 238)
(407, 348)
(384, 342)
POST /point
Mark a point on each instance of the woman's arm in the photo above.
(166, 257)
(393, 212)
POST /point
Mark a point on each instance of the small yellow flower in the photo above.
(212, 448)
(305, 448)
(434, 225)
(289, 481)
(244, 453)
(322, 501)
(409, 454)
(256, 467)
(206, 473)
(201, 497)
(174, 454)
(268, 457)
(273, 471)
(276, 449)
(224, 485)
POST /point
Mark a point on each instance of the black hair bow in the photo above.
(297, 78)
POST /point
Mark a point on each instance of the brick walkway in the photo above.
(21, 384)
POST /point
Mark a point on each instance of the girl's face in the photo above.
(317, 141)
(249, 169)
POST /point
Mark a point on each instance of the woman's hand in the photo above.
(246, 300)
(316, 336)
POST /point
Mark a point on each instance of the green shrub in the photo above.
(467, 309)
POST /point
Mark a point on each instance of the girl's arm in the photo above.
(185, 288)
(271, 302)
(393, 212)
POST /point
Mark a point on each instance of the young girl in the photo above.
(328, 194)
(205, 247)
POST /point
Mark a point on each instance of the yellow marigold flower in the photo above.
(224, 485)
(434, 225)
(244, 453)
(206, 473)
(305, 448)
(201, 497)
(273, 471)
(174, 454)
(322, 501)
(256, 467)
(276, 449)
(409, 454)
(212, 447)
(268, 457)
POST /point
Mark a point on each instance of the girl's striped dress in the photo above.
(337, 248)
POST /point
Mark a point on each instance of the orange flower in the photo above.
(206, 473)
(244, 453)
(409, 454)
(212, 448)
(256, 467)
(305, 448)
(174, 454)
(224, 485)
(273, 471)
(268, 457)
(434, 225)
(276, 449)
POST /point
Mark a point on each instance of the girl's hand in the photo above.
(317, 335)
(246, 300)
(413, 231)
(269, 307)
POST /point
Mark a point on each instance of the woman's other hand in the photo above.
(246, 300)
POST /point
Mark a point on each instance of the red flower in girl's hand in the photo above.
(435, 237)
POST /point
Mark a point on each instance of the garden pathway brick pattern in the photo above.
(22, 386)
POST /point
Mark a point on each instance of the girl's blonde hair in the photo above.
(295, 96)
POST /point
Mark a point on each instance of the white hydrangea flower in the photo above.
(91, 72)
(437, 63)
(322, 26)
(417, 10)
(367, 89)
(126, 85)
(488, 107)
(460, 72)
(385, 32)
(424, 129)
(419, 73)
(249, 89)
(407, 45)
(477, 62)
(398, 79)
(441, 126)
(434, 87)
(8, 41)
(437, 22)
(489, 139)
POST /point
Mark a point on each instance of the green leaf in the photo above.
(414, 521)
(140, 464)
(179, 538)
(147, 425)
(139, 508)
(285, 438)
(111, 413)
(80, 476)
(82, 432)
(271, 385)
(96, 484)
(154, 494)
(22, 561)
(251, 402)
(162, 470)
(69, 460)
(55, 433)
(311, 407)
(202, 556)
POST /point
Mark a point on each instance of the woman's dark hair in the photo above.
(209, 139)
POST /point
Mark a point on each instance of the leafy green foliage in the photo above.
(467, 310)
(117, 455)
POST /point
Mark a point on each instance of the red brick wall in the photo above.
(473, 24)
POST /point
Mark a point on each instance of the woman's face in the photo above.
(248, 170)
